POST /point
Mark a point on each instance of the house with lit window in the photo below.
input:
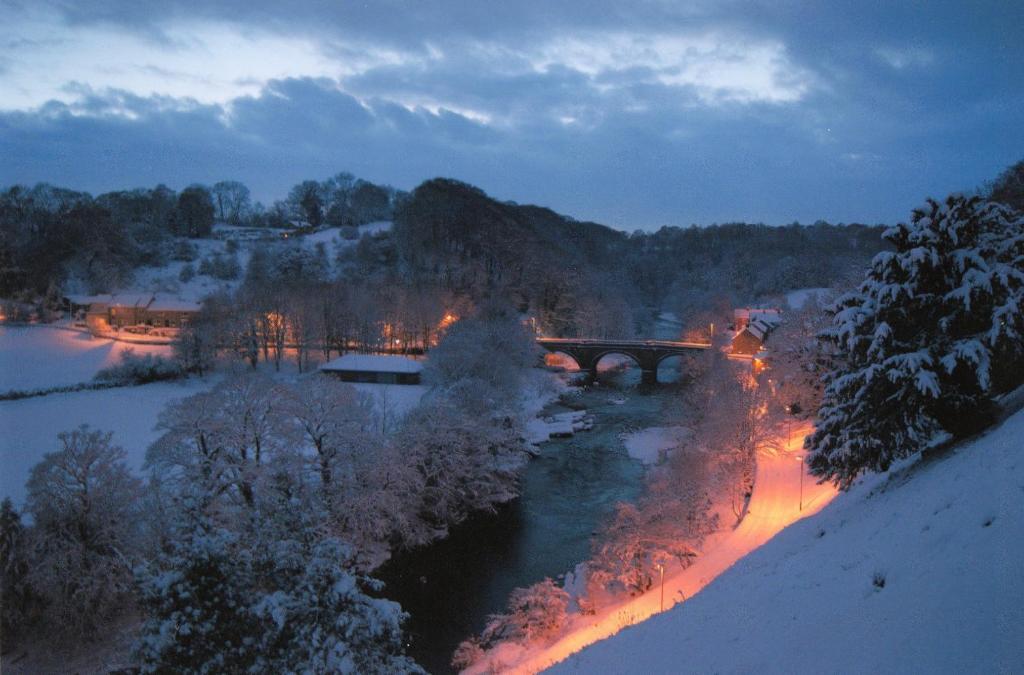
(752, 329)
(142, 311)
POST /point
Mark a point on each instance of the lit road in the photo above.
(773, 506)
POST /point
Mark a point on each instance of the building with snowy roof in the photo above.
(751, 338)
(376, 369)
(115, 311)
(742, 316)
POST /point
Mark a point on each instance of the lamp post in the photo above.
(661, 569)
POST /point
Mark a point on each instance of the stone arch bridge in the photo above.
(647, 354)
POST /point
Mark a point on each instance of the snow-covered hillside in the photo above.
(921, 570)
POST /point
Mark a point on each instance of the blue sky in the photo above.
(632, 114)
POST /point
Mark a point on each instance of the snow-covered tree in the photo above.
(331, 417)
(197, 598)
(219, 601)
(1008, 188)
(319, 618)
(668, 524)
(14, 591)
(465, 463)
(536, 612)
(494, 350)
(934, 332)
(799, 360)
(214, 444)
(83, 501)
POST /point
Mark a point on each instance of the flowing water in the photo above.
(451, 587)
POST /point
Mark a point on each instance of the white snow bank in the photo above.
(540, 430)
(918, 573)
(39, 357)
(652, 444)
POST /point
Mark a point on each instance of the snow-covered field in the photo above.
(30, 426)
(650, 445)
(393, 400)
(37, 357)
(920, 571)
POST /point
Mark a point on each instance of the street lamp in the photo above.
(800, 458)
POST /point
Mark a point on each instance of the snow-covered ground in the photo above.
(393, 400)
(798, 298)
(329, 237)
(651, 445)
(918, 571)
(39, 357)
(375, 227)
(29, 427)
(166, 279)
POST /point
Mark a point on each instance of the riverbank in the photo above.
(571, 487)
(783, 494)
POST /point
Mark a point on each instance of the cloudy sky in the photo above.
(631, 114)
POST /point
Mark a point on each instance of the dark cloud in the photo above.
(846, 113)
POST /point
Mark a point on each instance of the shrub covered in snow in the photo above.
(135, 369)
(934, 332)
(535, 613)
(221, 266)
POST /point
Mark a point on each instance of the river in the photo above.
(450, 587)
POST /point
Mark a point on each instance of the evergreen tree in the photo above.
(320, 620)
(14, 589)
(931, 336)
(197, 599)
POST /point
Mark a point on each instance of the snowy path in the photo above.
(774, 505)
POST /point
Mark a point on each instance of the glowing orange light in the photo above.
(447, 320)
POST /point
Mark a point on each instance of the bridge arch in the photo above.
(616, 352)
(661, 361)
(567, 354)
